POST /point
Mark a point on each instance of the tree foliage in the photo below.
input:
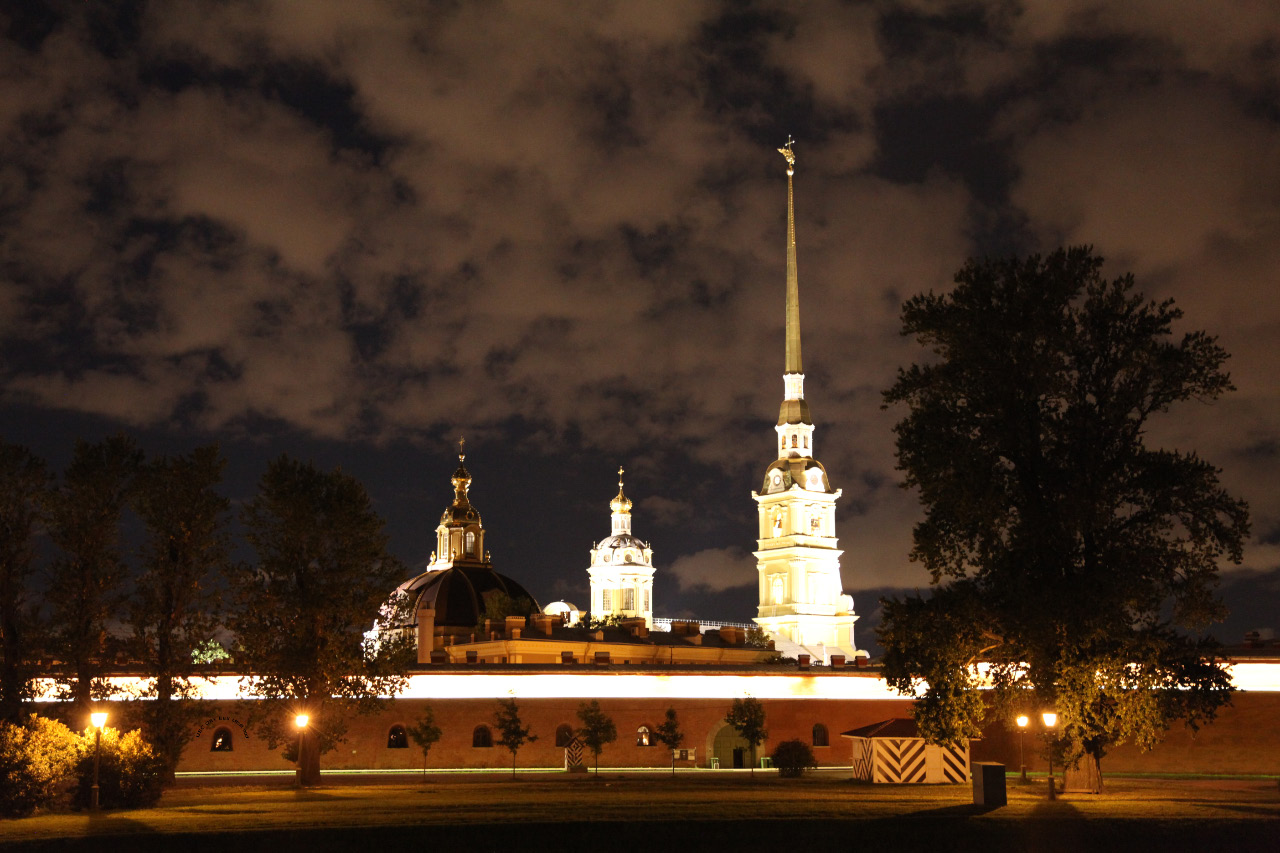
(36, 757)
(425, 733)
(746, 716)
(792, 758)
(323, 570)
(514, 733)
(597, 729)
(669, 735)
(174, 610)
(1065, 551)
(24, 486)
(130, 773)
(88, 577)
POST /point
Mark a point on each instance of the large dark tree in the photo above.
(87, 585)
(174, 610)
(24, 485)
(1076, 560)
(323, 571)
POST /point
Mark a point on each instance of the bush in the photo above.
(35, 760)
(130, 775)
(792, 758)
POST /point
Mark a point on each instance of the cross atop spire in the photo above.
(462, 449)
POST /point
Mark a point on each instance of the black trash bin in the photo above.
(988, 784)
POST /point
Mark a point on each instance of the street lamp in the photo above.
(301, 722)
(99, 719)
(1023, 719)
(1050, 720)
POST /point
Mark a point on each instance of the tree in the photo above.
(792, 758)
(425, 733)
(24, 486)
(87, 584)
(514, 733)
(1065, 553)
(323, 570)
(669, 735)
(747, 717)
(174, 610)
(597, 729)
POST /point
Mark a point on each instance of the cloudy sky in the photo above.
(356, 231)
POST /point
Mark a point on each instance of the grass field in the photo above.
(654, 812)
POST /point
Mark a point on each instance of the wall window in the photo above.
(647, 604)
(820, 735)
(642, 737)
(481, 739)
(628, 599)
(564, 734)
(221, 741)
(397, 738)
(777, 589)
(606, 599)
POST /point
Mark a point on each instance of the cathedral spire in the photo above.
(794, 363)
(794, 408)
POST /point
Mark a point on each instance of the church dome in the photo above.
(458, 594)
(622, 540)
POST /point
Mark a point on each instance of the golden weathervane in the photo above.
(788, 153)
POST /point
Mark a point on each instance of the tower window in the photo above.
(628, 599)
(647, 605)
(471, 542)
(777, 589)
(221, 741)
(806, 442)
(642, 737)
(820, 737)
(481, 738)
(795, 441)
(564, 734)
(397, 738)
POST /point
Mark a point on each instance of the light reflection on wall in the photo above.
(1256, 677)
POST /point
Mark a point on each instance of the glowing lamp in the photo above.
(1023, 719)
(301, 720)
(98, 718)
(1050, 719)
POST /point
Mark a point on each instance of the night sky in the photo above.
(356, 231)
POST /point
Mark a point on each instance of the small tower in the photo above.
(460, 535)
(802, 604)
(622, 569)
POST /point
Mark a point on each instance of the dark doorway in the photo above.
(739, 758)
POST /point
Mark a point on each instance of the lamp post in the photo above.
(1023, 719)
(301, 722)
(1050, 720)
(99, 719)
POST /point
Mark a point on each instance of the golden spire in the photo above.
(793, 280)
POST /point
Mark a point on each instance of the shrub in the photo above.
(792, 758)
(130, 775)
(35, 760)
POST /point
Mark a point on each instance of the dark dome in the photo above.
(457, 594)
(621, 540)
(807, 473)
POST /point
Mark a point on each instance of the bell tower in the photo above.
(622, 569)
(803, 607)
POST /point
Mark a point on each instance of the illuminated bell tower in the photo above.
(802, 604)
(460, 534)
(622, 569)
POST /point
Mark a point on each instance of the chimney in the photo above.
(803, 661)
(566, 658)
(837, 661)
(439, 656)
(602, 658)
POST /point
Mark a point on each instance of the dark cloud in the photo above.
(559, 227)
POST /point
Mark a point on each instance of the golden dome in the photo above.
(621, 503)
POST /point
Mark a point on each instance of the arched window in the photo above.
(795, 441)
(221, 741)
(480, 738)
(471, 542)
(820, 735)
(564, 734)
(642, 737)
(397, 738)
(777, 589)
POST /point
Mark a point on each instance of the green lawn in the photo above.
(648, 811)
